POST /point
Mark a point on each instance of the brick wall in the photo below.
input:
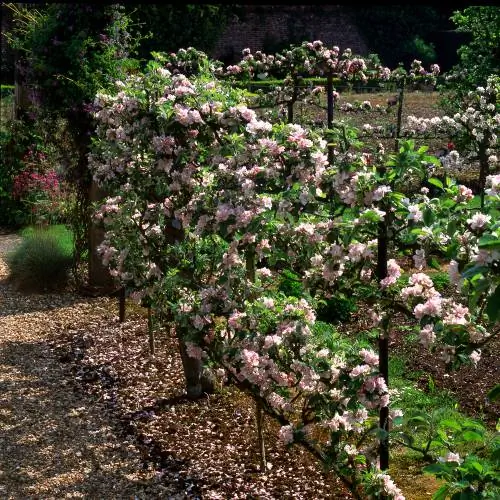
(272, 25)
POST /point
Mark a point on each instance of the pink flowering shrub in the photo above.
(209, 198)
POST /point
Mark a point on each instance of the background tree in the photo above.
(480, 57)
(178, 26)
(67, 53)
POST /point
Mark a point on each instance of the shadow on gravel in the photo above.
(55, 442)
(13, 303)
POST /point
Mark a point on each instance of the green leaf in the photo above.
(472, 436)
(494, 393)
(450, 424)
(475, 270)
(428, 216)
(477, 466)
(436, 182)
(464, 495)
(418, 421)
(434, 468)
(489, 241)
(493, 305)
(434, 263)
(442, 493)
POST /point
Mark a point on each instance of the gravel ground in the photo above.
(86, 412)
(55, 442)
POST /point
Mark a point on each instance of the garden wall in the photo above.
(271, 28)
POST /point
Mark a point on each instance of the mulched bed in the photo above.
(207, 448)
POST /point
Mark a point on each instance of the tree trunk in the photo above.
(98, 274)
(199, 379)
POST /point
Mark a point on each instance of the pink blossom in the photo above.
(198, 322)
(464, 194)
(268, 302)
(235, 320)
(475, 356)
(193, 351)
(427, 335)
(264, 272)
(478, 221)
(360, 370)
(456, 315)
(454, 273)
(433, 307)
(415, 213)
(285, 434)
(271, 340)
(393, 273)
(369, 356)
(451, 457)
(250, 358)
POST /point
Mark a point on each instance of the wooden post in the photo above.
(99, 275)
(151, 333)
(383, 341)
(330, 106)
(121, 304)
(400, 114)
(259, 412)
(259, 416)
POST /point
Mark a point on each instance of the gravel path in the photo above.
(85, 412)
(54, 441)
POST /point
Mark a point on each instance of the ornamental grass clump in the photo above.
(41, 262)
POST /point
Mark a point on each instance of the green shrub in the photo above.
(290, 284)
(337, 309)
(441, 281)
(42, 260)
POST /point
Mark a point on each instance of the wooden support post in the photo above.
(121, 304)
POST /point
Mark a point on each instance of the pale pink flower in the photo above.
(235, 320)
(285, 434)
(271, 340)
(478, 221)
(454, 273)
(427, 335)
(451, 457)
(264, 272)
(193, 351)
(369, 356)
(456, 315)
(464, 193)
(360, 370)
(250, 358)
(198, 322)
(415, 213)
(433, 307)
(268, 302)
(475, 356)
(419, 259)
(393, 273)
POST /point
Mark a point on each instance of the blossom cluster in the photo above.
(207, 195)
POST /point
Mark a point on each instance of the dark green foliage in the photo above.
(479, 57)
(42, 260)
(290, 284)
(70, 51)
(441, 281)
(175, 26)
(401, 33)
(337, 309)
(15, 139)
